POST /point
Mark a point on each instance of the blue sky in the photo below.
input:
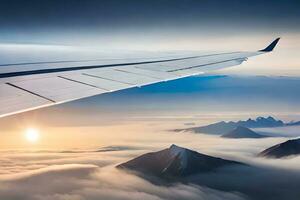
(87, 22)
(209, 93)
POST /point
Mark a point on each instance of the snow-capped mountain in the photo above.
(175, 161)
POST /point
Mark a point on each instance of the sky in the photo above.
(76, 21)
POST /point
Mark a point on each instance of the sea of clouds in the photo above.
(91, 174)
(55, 178)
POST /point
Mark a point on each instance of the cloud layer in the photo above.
(89, 174)
(80, 182)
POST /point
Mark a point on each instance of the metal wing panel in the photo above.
(121, 76)
(98, 82)
(9, 68)
(57, 89)
(52, 88)
(196, 70)
(199, 61)
(27, 86)
(13, 100)
(148, 72)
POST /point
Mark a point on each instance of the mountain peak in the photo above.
(181, 154)
(174, 146)
(271, 118)
(175, 150)
(175, 161)
(242, 132)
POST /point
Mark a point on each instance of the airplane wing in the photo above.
(26, 86)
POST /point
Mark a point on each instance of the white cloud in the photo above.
(82, 182)
(91, 175)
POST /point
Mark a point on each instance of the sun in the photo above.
(32, 135)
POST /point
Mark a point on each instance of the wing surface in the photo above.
(30, 85)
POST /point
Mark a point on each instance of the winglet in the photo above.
(271, 46)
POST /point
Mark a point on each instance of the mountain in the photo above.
(242, 132)
(261, 122)
(175, 161)
(292, 123)
(218, 128)
(222, 127)
(116, 148)
(288, 148)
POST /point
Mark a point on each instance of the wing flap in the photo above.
(121, 76)
(148, 72)
(57, 89)
(14, 100)
(98, 82)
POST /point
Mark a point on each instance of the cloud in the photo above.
(90, 175)
(258, 183)
(81, 182)
(287, 131)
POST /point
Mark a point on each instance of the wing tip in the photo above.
(271, 46)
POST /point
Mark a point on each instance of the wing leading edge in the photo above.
(29, 86)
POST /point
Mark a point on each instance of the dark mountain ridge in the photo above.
(175, 161)
(242, 132)
(180, 165)
(285, 149)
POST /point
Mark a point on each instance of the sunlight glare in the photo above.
(32, 135)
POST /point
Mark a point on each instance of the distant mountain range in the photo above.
(288, 148)
(222, 127)
(175, 162)
(242, 132)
